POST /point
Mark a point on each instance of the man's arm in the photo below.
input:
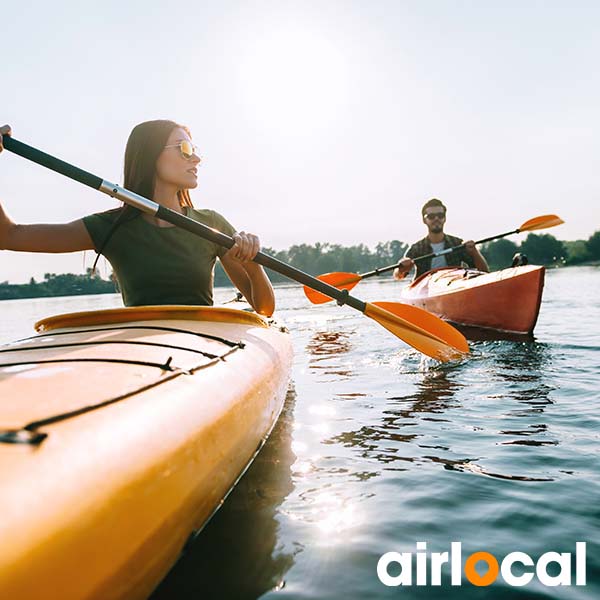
(405, 265)
(478, 258)
(403, 268)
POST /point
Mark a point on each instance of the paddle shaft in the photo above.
(434, 254)
(175, 218)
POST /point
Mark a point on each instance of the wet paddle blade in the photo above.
(342, 281)
(541, 222)
(421, 330)
(428, 321)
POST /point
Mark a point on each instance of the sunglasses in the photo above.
(186, 148)
(435, 215)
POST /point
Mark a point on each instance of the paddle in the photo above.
(347, 281)
(416, 327)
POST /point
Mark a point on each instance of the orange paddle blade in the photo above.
(342, 281)
(541, 222)
(420, 329)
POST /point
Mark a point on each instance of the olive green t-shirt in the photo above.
(160, 265)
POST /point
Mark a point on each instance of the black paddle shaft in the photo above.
(434, 254)
(50, 162)
(175, 218)
(261, 258)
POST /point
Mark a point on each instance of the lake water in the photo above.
(378, 449)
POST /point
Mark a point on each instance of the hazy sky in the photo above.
(324, 120)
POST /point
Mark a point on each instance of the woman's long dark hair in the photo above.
(144, 146)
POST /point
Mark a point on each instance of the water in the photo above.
(378, 449)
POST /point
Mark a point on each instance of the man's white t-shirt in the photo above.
(438, 261)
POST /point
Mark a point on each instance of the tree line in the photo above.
(66, 284)
(543, 249)
(319, 258)
(324, 258)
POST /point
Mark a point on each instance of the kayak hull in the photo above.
(158, 413)
(507, 300)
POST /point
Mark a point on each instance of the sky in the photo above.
(329, 121)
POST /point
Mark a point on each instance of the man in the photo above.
(434, 216)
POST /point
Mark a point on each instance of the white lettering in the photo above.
(507, 563)
(404, 559)
(456, 560)
(421, 564)
(437, 560)
(563, 578)
(580, 566)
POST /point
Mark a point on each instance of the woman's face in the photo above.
(173, 167)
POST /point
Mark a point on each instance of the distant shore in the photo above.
(320, 258)
(69, 284)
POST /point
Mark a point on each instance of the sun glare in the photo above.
(294, 80)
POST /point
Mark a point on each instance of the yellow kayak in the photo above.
(121, 432)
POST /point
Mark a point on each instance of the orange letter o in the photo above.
(473, 576)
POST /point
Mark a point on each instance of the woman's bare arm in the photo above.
(253, 282)
(63, 237)
(249, 277)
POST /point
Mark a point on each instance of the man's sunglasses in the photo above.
(434, 215)
(186, 148)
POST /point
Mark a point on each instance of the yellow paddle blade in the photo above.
(342, 281)
(428, 321)
(541, 222)
(420, 329)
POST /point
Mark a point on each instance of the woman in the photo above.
(154, 262)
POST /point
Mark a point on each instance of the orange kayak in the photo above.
(507, 300)
(121, 432)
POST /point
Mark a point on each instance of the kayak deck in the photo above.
(129, 428)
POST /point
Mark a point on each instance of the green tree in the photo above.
(388, 253)
(325, 258)
(577, 252)
(544, 249)
(593, 246)
(67, 284)
(499, 254)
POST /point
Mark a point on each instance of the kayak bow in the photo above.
(507, 300)
(122, 432)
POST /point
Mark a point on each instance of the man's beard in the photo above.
(437, 228)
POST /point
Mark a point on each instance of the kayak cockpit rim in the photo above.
(151, 313)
